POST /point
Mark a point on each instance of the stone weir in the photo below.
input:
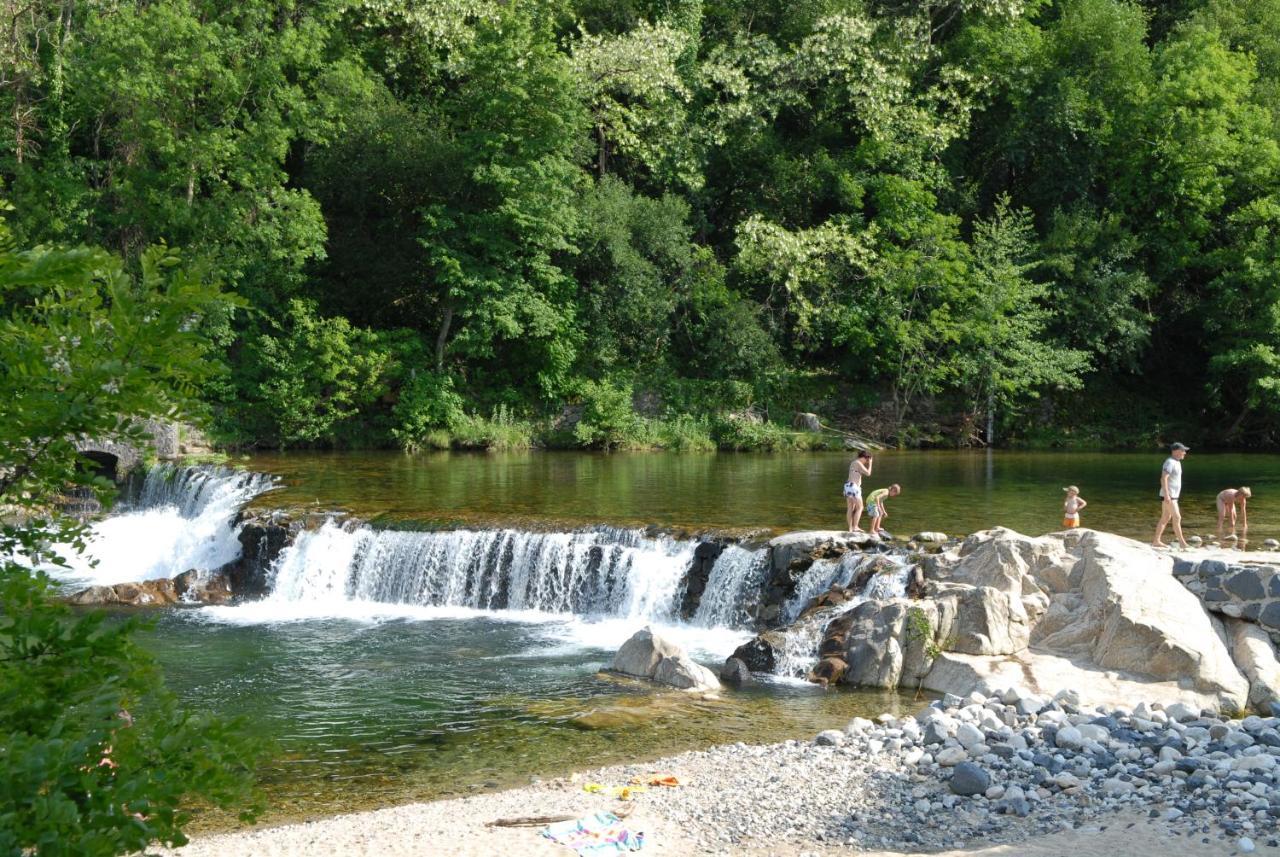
(1089, 611)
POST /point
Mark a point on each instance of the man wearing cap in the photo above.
(1170, 490)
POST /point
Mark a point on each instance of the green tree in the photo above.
(1007, 357)
(492, 240)
(98, 758)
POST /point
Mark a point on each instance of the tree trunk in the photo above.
(991, 417)
(602, 159)
(443, 337)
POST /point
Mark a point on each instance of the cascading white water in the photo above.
(735, 573)
(600, 572)
(817, 579)
(800, 642)
(181, 518)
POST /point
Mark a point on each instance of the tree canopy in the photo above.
(935, 220)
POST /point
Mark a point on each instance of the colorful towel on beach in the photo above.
(595, 836)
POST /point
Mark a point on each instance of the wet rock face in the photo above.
(735, 673)
(262, 537)
(704, 559)
(760, 654)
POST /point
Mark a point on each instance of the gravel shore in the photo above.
(1009, 774)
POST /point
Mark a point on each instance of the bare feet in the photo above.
(1159, 545)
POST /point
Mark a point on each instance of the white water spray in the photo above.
(182, 518)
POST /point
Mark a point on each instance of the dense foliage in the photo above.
(96, 758)
(655, 221)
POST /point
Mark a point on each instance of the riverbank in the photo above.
(972, 776)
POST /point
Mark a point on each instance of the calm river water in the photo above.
(956, 492)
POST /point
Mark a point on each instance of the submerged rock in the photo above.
(649, 655)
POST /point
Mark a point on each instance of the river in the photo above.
(390, 664)
(955, 492)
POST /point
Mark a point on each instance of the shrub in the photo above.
(607, 418)
(503, 431)
(685, 433)
(735, 432)
(428, 404)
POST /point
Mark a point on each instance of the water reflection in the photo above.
(951, 491)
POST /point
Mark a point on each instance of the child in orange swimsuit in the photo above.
(1071, 507)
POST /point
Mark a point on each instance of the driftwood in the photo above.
(529, 820)
(865, 443)
(540, 820)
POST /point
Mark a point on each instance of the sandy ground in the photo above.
(459, 827)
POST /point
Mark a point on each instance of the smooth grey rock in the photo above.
(1245, 585)
(1181, 712)
(830, 738)
(935, 732)
(969, 779)
(968, 735)
(734, 673)
(1270, 616)
(1069, 738)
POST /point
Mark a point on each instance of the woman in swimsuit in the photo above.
(858, 468)
(1228, 500)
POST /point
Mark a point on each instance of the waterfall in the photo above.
(802, 639)
(598, 572)
(735, 574)
(178, 519)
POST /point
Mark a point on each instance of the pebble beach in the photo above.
(1012, 773)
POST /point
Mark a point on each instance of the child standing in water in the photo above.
(1071, 507)
(875, 505)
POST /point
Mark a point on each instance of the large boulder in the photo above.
(983, 621)
(651, 656)
(882, 643)
(760, 653)
(1255, 655)
(1102, 602)
(1081, 610)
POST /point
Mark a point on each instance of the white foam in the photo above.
(361, 612)
(186, 519)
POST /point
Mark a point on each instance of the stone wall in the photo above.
(1240, 590)
(118, 458)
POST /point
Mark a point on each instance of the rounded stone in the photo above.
(969, 779)
(1069, 738)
